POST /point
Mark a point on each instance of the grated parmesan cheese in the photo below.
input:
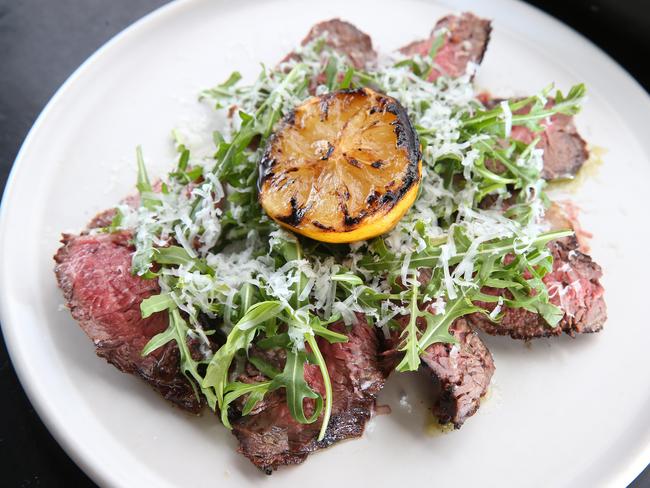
(194, 218)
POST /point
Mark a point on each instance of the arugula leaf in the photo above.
(264, 367)
(240, 337)
(297, 389)
(550, 313)
(320, 361)
(177, 331)
(156, 303)
(148, 198)
(237, 389)
(116, 221)
(349, 278)
(325, 333)
(437, 329)
(159, 340)
(437, 43)
(143, 184)
(223, 91)
(347, 78)
(411, 359)
(178, 256)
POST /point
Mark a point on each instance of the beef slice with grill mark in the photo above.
(466, 41)
(94, 273)
(344, 38)
(461, 372)
(573, 285)
(565, 151)
(270, 437)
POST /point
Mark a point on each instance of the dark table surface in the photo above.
(42, 42)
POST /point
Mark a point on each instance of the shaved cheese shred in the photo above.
(199, 216)
(497, 310)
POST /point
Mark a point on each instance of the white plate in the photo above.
(562, 413)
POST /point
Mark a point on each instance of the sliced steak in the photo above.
(344, 38)
(466, 41)
(270, 437)
(573, 285)
(565, 151)
(105, 218)
(94, 272)
(461, 373)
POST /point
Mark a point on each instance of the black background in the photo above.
(43, 41)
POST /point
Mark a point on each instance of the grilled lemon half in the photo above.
(341, 167)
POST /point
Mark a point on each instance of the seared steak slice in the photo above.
(466, 40)
(344, 38)
(573, 285)
(94, 272)
(461, 372)
(105, 218)
(565, 151)
(270, 437)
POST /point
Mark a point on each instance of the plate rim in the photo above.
(57, 428)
